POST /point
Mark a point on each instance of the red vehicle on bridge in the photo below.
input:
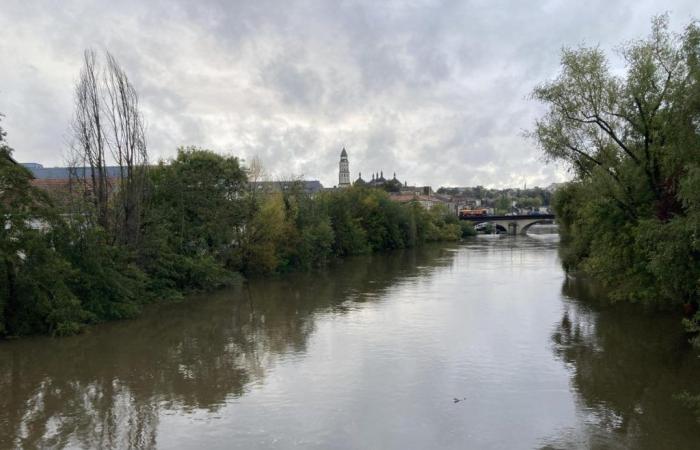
(473, 212)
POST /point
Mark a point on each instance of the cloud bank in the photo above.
(436, 91)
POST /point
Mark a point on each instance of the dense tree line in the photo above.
(66, 264)
(631, 217)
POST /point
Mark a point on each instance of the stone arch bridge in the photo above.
(512, 224)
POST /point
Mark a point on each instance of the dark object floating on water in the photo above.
(457, 400)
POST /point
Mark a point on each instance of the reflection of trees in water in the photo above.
(108, 387)
(626, 366)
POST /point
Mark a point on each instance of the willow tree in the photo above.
(631, 138)
(624, 128)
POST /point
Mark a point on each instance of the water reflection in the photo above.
(626, 368)
(369, 354)
(111, 386)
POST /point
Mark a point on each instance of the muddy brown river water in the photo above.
(483, 345)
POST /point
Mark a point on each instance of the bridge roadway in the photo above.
(512, 224)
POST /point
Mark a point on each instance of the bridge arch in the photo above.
(524, 229)
(512, 224)
(497, 225)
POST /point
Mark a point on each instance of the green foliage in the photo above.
(44, 301)
(690, 401)
(196, 213)
(264, 235)
(467, 229)
(202, 225)
(293, 230)
(198, 199)
(368, 220)
(444, 225)
(310, 234)
(392, 185)
(502, 205)
(631, 216)
(107, 281)
(34, 296)
(529, 202)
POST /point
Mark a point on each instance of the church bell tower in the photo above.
(344, 173)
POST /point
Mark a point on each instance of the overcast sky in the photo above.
(434, 91)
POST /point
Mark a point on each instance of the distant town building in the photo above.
(58, 179)
(344, 172)
(418, 190)
(378, 181)
(400, 191)
(426, 201)
(309, 187)
(64, 173)
(423, 200)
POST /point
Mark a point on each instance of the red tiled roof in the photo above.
(57, 183)
(405, 198)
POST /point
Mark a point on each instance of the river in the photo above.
(485, 344)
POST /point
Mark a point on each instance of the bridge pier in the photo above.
(513, 228)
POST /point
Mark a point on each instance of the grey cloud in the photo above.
(434, 90)
(296, 86)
